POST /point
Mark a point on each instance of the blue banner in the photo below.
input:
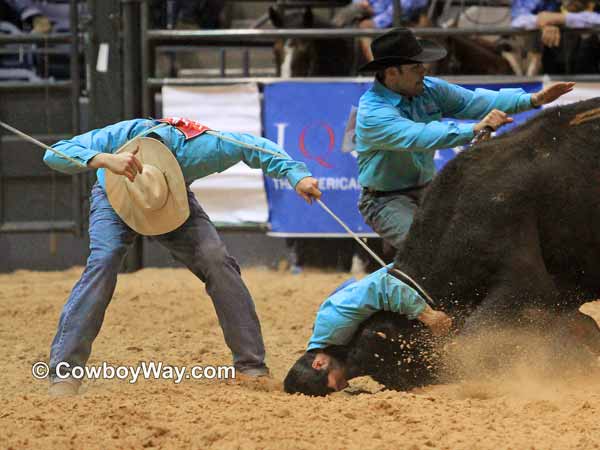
(308, 120)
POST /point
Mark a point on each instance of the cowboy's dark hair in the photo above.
(303, 379)
(380, 74)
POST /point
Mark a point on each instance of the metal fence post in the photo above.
(78, 191)
(132, 61)
(132, 94)
(113, 90)
(147, 51)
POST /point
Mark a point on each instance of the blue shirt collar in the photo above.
(393, 97)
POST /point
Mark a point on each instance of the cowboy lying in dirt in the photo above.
(368, 327)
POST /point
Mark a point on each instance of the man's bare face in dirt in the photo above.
(336, 376)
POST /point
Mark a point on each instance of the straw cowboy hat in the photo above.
(400, 46)
(156, 202)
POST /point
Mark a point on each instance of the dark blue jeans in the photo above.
(196, 244)
(392, 215)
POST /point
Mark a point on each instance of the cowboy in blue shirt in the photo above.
(195, 243)
(399, 128)
(318, 372)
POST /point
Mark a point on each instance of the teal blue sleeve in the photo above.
(386, 129)
(404, 299)
(84, 147)
(340, 316)
(461, 103)
(337, 323)
(272, 166)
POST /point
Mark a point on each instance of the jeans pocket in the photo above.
(363, 205)
(99, 201)
(369, 207)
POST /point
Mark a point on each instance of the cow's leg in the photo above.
(522, 290)
(513, 302)
(583, 328)
(573, 328)
(526, 299)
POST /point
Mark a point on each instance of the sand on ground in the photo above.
(165, 315)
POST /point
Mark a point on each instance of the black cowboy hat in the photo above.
(400, 46)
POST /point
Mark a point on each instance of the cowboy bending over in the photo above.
(147, 185)
(319, 372)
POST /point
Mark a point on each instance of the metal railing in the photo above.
(36, 38)
(151, 39)
(203, 37)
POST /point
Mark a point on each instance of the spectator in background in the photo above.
(184, 15)
(25, 15)
(187, 14)
(204, 14)
(380, 14)
(553, 50)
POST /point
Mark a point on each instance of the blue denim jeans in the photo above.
(196, 244)
(390, 216)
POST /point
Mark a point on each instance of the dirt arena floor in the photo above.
(165, 315)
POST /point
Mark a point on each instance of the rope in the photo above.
(482, 135)
(61, 154)
(41, 144)
(252, 147)
(244, 144)
(422, 291)
(416, 285)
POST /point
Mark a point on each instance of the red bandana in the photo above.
(189, 128)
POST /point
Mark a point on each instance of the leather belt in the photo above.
(376, 193)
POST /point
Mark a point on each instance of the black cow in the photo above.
(508, 236)
(398, 353)
(509, 231)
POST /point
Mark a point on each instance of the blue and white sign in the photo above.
(308, 120)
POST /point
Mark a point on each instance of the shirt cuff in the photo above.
(417, 309)
(294, 176)
(85, 155)
(525, 102)
(465, 131)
